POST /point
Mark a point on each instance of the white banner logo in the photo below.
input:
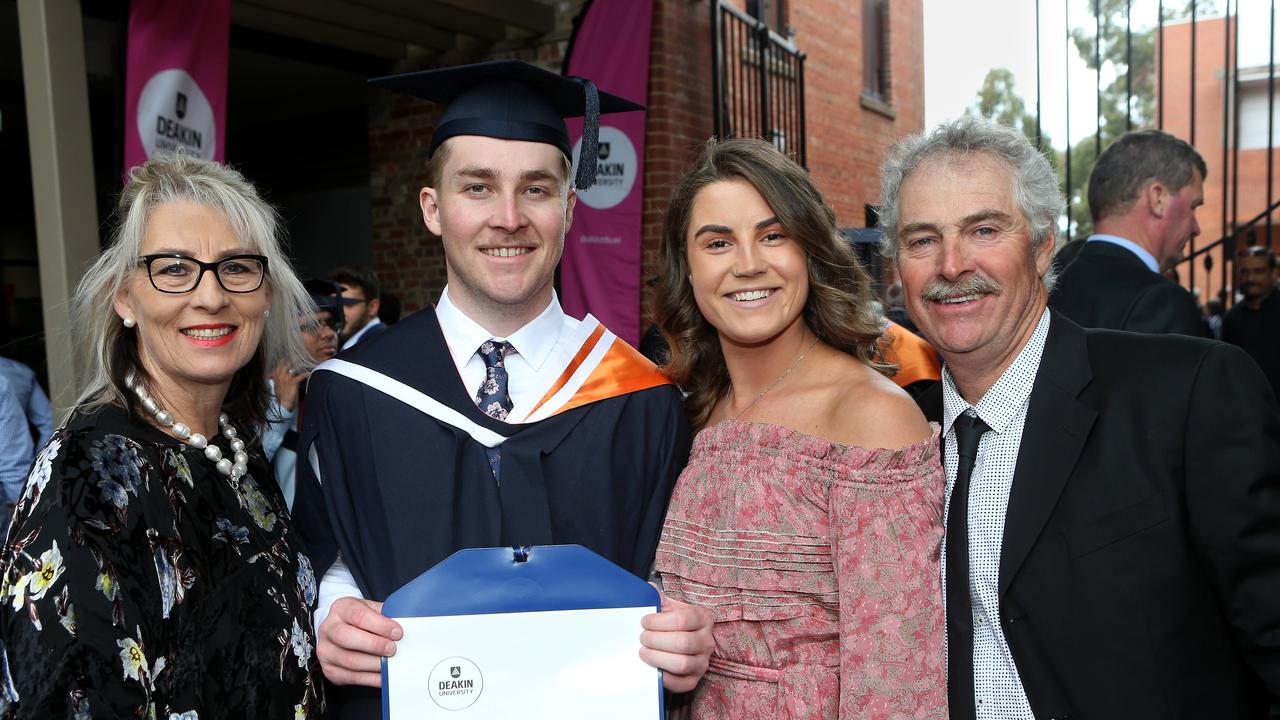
(615, 169)
(173, 114)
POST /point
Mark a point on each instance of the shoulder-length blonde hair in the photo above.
(108, 353)
(839, 308)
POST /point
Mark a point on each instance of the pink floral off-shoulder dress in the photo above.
(819, 562)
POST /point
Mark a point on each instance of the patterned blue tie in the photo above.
(493, 398)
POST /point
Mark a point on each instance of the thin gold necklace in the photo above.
(774, 384)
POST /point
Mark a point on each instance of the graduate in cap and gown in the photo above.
(496, 419)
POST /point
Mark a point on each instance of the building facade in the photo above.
(1227, 121)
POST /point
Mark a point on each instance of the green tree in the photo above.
(998, 100)
(1202, 8)
(1128, 100)
(1115, 115)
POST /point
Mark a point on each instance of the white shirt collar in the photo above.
(1143, 254)
(356, 338)
(534, 341)
(1001, 403)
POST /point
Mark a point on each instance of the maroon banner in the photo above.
(176, 80)
(600, 273)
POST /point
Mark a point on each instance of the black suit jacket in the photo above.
(1106, 286)
(1140, 566)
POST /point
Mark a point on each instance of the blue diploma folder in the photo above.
(524, 589)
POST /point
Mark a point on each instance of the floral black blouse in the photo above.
(137, 582)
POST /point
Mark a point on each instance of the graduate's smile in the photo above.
(507, 252)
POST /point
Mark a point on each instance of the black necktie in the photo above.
(493, 397)
(969, 429)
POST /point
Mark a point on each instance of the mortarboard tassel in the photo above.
(586, 176)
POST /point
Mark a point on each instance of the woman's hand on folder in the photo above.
(678, 641)
(352, 641)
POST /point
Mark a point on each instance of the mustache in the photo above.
(976, 284)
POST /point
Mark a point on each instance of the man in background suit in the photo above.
(361, 299)
(1143, 195)
(1113, 510)
(1254, 322)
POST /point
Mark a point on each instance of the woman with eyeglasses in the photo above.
(151, 569)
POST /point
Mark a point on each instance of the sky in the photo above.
(964, 39)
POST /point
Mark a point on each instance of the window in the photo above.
(875, 37)
(769, 12)
(758, 78)
(1253, 116)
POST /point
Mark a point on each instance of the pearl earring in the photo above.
(266, 313)
(130, 323)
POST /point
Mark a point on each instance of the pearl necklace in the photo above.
(233, 470)
(774, 384)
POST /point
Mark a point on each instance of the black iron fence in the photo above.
(1188, 40)
(1231, 230)
(757, 81)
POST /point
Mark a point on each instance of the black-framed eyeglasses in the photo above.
(335, 324)
(178, 273)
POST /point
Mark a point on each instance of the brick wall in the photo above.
(1252, 181)
(679, 118)
(847, 139)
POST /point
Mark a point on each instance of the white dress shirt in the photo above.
(1143, 254)
(540, 357)
(998, 691)
(356, 338)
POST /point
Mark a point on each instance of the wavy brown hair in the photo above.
(839, 308)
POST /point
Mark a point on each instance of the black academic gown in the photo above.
(399, 491)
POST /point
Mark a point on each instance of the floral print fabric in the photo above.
(819, 563)
(138, 582)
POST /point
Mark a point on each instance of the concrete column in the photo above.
(57, 96)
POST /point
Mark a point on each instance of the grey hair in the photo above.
(1035, 184)
(108, 352)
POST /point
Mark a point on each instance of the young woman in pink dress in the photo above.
(809, 518)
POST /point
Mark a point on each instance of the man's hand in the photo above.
(287, 383)
(678, 642)
(352, 641)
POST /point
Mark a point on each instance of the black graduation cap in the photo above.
(325, 294)
(513, 100)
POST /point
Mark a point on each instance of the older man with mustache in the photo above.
(1113, 512)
